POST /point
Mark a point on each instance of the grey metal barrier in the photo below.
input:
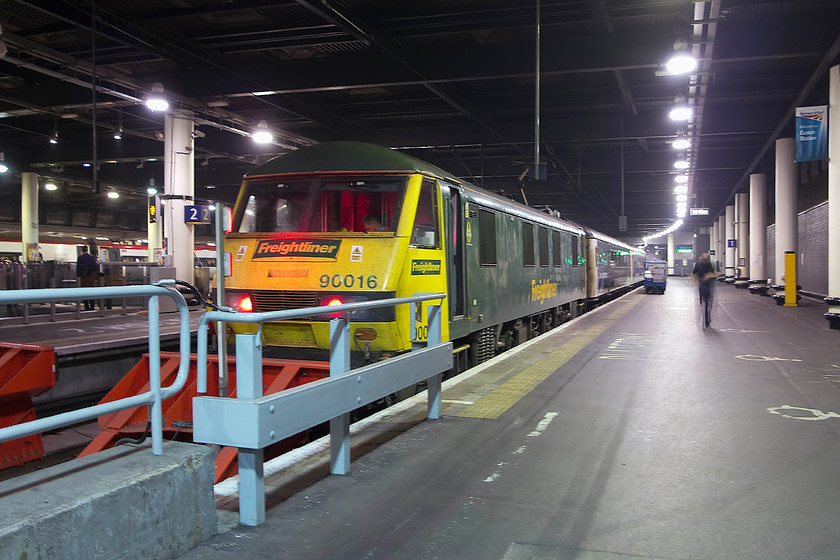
(156, 394)
(252, 421)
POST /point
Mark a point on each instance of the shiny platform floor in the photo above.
(629, 433)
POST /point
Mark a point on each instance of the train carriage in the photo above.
(342, 222)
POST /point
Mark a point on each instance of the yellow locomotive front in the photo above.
(312, 237)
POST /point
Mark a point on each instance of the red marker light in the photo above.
(334, 301)
(245, 305)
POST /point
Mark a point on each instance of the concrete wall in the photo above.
(120, 503)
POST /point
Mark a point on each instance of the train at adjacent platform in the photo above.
(342, 222)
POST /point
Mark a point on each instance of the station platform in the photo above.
(630, 432)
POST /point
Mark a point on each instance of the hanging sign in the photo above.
(812, 133)
(196, 214)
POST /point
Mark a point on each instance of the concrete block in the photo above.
(120, 503)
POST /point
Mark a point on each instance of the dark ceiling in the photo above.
(452, 82)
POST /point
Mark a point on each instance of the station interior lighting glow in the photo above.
(156, 101)
(262, 135)
(681, 143)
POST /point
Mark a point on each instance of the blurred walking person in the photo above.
(704, 272)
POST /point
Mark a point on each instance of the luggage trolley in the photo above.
(656, 274)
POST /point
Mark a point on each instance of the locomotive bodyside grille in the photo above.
(282, 300)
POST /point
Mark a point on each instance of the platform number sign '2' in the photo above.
(197, 214)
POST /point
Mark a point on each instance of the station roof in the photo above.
(449, 82)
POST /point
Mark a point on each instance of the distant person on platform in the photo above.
(88, 272)
(704, 272)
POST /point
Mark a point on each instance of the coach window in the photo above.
(528, 243)
(556, 253)
(425, 229)
(487, 237)
(576, 250)
(543, 246)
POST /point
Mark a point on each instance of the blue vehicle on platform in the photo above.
(656, 274)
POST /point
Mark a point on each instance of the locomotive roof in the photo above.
(608, 239)
(352, 157)
(362, 157)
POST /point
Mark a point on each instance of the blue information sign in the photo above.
(812, 133)
(197, 214)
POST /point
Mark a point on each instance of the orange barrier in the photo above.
(177, 410)
(26, 371)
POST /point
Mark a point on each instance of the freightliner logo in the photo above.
(425, 267)
(323, 248)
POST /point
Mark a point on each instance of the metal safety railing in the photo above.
(58, 274)
(251, 421)
(156, 394)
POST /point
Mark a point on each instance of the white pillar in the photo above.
(713, 235)
(179, 185)
(758, 225)
(742, 234)
(721, 242)
(834, 182)
(671, 255)
(730, 236)
(786, 227)
(28, 212)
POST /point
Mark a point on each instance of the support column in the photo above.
(833, 299)
(721, 242)
(758, 225)
(786, 228)
(671, 254)
(713, 237)
(730, 240)
(742, 235)
(28, 212)
(179, 185)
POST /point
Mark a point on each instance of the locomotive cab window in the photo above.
(528, 243)
(424, 233)
(321, 204)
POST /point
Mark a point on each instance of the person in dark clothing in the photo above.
(371, 222)
(704, 271)
(88, 272)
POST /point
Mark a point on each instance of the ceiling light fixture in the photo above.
(3, 167)
(680, 189)
(156, 101)
(113, 194)
(681, 111)
(681, 163)
(682, 142)
(681, 178)
(262, 135)
(54, 138)
(50, 186)
(682, 197)
(118, 134)
(682, 62)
